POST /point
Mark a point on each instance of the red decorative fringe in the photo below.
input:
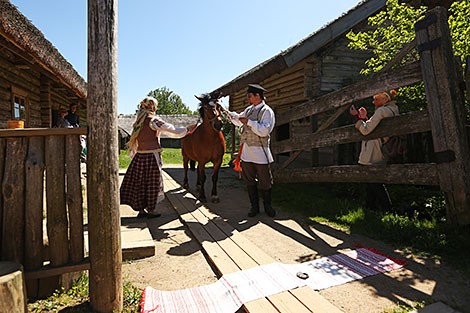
(237, 166)
(396, 260)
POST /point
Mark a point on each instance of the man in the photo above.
(72, 116)
(257, 122)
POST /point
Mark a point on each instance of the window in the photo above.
(20, 105)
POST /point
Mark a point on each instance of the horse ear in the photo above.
(199, 98)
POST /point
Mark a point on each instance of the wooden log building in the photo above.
(317, 65)
(35, 79)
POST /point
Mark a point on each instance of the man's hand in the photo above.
(244, 120)
(352, 110)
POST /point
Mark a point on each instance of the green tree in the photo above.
(169, 102)
(392, 29)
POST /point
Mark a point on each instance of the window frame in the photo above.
(22, 94)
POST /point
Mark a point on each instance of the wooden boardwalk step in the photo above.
(230, 251)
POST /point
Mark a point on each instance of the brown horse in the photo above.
(205, 144)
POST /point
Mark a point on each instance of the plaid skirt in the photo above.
(142, 187)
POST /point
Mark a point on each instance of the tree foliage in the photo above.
(169, 102)
(393, 28)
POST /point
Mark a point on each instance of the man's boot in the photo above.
(254, 200)
(267, 203)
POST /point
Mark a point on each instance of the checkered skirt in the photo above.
(142, 187)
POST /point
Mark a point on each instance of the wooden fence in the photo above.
(35, 163)
(445, 117)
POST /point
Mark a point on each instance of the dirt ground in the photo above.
(179, 261)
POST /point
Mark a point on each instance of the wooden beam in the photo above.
(102, 159)
(30, 132)
(414, 122)
(447, 112)
(413, 174)
(49, 270)
(397, 58)
(399, 77)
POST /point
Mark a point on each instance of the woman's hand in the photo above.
(352, 110)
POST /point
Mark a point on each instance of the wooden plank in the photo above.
(403, 124)
(447, 112)
(413, 174)
(399, 77)
(12, 288)
(2, 166)
(34, 206)
(242, 251)
(219, 258)
(57, 224)
(74, 197)
(13, 188)
(42, 132)
(49, 270)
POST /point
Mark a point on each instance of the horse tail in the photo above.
(192, 165)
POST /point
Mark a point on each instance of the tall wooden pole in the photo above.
(446, 112)
(102, 159)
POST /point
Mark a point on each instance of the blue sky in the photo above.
(191, 47)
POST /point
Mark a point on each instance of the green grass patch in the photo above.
(417, 224)
(77, 299)
(169, 156)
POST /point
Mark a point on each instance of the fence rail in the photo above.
(445, 117)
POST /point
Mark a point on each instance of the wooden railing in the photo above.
(38, 163)
(445, 117)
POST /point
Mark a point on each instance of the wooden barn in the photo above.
(125, 122)
(35, 79)
(317, 65)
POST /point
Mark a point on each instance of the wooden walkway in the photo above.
(229, 251)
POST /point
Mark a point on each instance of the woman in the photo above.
(371, 150)
(142, 187)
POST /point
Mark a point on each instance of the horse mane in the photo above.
(201, 110)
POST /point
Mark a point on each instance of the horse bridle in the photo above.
(217, 116)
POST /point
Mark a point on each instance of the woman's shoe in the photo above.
(142, 214)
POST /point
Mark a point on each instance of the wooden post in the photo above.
(34, 203)
(57, 223)
(446, 112)
(102, 159)
(74, 197)
(2, 163)
(12, 288)
(13, 200)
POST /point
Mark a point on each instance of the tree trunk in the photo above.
(102, 158)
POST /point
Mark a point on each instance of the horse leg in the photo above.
(215, 176)
(201, 180)
(185, 165)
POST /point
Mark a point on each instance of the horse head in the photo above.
(211, 109)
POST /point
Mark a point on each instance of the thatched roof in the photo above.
(305, 47)
(16, 28)
(125, 121)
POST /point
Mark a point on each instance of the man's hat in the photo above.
(255, 89)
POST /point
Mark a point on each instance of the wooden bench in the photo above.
(230, 251)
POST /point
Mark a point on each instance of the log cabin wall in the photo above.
(42, 94)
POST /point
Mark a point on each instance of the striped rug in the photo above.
(231, 291)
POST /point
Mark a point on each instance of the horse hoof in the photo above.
(215, 199)
(185, 186)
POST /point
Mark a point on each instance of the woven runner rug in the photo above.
(231, 291)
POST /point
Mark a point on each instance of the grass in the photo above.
(77, 299)
(417, 224)
(169, 156)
